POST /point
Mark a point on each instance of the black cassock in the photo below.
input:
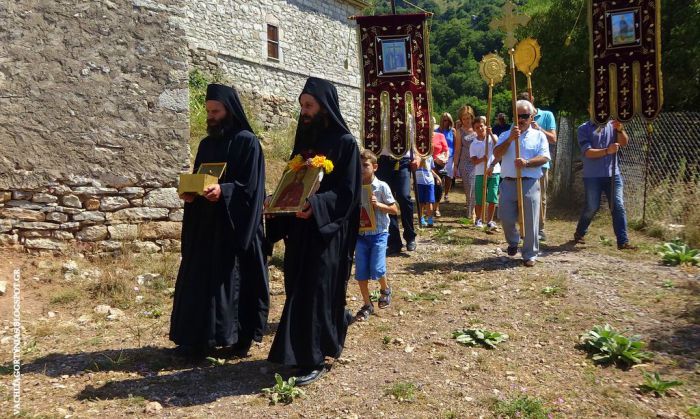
(221, 294)
(319, 251)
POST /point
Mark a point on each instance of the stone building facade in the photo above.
(314, 38)
(94, 126)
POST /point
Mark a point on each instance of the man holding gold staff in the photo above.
(221, 293)
(534, 152)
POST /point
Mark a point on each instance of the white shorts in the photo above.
(449, 167)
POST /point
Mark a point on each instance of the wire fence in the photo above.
(660, 168)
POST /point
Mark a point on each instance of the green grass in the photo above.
(64, 297)
(402, 391)
(521, 407)
(421, 296)
(114, 289)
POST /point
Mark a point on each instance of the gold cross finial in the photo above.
(509, 22)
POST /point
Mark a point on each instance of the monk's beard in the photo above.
(217, 128)
(309, 132)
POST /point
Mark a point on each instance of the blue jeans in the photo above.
(594, 187)
(399, 180)
(370, 256)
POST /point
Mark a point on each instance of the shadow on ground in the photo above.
(682, 343)
(189, 387)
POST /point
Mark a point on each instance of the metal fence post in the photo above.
(647, 145)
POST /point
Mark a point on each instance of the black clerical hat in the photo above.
(228, 96)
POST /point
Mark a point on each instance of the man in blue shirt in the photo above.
(534, 152)
(599, 147)
(545, 122)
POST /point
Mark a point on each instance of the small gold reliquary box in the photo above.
(207, 174)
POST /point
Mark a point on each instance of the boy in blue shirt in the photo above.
(370, 250)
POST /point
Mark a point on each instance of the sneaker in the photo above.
(579, 239)
(529, 263)
(479, 224)
(512, 250)
(437, 214)
(446, 198)
(491, 225)
(423, 222)
(626, 246)
(411, 246)
(542, 237)
(430, 221)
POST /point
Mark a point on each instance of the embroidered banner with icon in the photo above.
(625, 59)
(396, 83)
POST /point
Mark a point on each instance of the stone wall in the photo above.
(101, 218)
(94, 128)
(94, 125)
(316, 39)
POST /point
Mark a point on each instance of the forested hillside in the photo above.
(460, 37)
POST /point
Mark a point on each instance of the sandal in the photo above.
(385, 298)
(364, 313)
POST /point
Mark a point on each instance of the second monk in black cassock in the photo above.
(319, 241)
(221, 294)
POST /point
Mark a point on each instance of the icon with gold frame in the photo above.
(207, 174)
(368, 222)
(293, 190)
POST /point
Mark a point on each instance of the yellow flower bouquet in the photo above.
(318, 161)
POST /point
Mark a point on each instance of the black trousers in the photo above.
(399, 180)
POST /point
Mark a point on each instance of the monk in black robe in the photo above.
(221, 294)
(319, 240)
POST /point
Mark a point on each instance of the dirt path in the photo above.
(79, 363)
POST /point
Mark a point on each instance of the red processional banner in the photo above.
(625, 59)
(395, 67)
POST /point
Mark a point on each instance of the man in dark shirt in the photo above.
(501, 126)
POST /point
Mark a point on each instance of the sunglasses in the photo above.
(523, 116)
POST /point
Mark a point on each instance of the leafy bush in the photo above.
(678, 253)
(654, 384)
(473, 337)
(283, 391)
(609, 346)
